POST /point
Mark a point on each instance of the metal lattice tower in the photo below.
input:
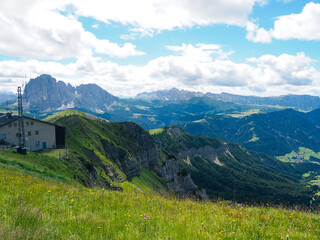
(22, 139)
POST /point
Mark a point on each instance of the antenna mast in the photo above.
(22, 139)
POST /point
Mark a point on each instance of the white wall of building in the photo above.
(39, 135)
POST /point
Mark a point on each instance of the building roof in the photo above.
(7, 118)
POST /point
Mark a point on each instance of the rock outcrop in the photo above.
(45, 93)
(140, 151)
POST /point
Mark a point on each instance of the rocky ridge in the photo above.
(113, 152)
(46, 94)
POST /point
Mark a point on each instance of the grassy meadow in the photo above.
(35, 207)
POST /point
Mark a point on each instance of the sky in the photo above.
(247, 47)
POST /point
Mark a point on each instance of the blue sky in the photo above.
(248, 47)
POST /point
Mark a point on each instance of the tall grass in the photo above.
(32, 208)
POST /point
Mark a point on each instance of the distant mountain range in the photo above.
(45, 94)
(304, 102)
(4, 97)
(171, 94)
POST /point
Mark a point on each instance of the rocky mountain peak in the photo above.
(45, 93)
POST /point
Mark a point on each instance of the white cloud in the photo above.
(39, 30)
(256, 34)
(192, 67)
(96, 26)
(287, 69)
(139, 33)
(166, 14)
(302, 26)
(284, 1)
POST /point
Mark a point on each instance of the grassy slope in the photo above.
(86, 155)
(41, 198)
(303, 154)
(84, 135)
(33, 208)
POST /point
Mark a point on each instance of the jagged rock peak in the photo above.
(45, 93)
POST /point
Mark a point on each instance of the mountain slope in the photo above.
(304, 102)
(108, 154)
(275, 133)
(229, 171)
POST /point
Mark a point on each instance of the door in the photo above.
(44, 145)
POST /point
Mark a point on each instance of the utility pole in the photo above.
(22, 140)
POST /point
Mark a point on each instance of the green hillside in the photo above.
(275, 133)
(103, 187)
(229, 171)
(34, 207)
(108, 154)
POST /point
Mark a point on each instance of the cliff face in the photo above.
(108, 153)
(178, 182)
(140, 151)
(44, 93)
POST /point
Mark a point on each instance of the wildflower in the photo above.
(72, 199)
(145, 216)
(49, 191)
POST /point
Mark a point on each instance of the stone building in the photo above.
(38, 134)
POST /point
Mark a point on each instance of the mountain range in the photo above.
(171, 94)
(45, 93)
(303, 102)
(270, 129)
(4, 97)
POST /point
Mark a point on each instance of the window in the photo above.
(36, 132)
(37, 143)
(27, 123)
(3, 136)
(17, 134)
(10, 125)
(29, 133)
(15, 124)
(31, 123)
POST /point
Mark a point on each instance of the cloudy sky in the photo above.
(249, 47)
